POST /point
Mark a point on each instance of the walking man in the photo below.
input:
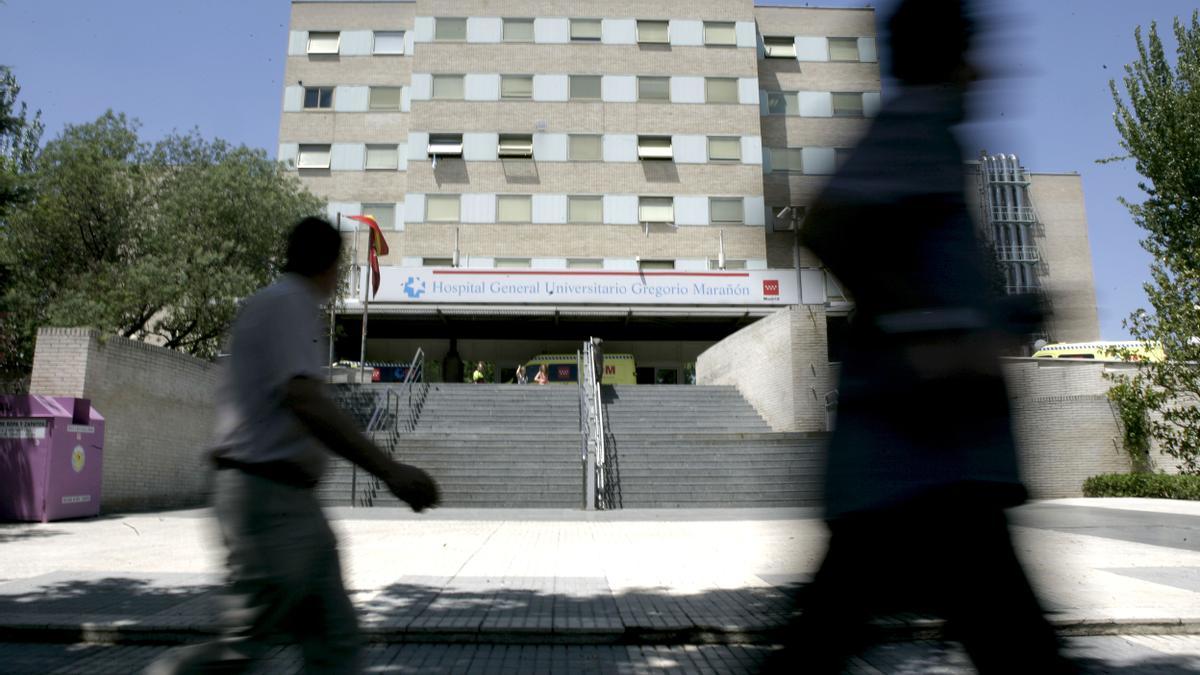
(275, 426)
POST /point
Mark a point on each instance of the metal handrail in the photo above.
(386, 417)
(1017, 253)
(591, 425)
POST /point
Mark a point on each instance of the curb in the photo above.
(900, 629)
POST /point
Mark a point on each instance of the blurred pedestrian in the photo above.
(522, 378)
(275, 427)
(923, 462)
(542, 376)
(478, 376)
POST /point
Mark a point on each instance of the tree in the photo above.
(1158, 120)
(19, 137)
(151, 242)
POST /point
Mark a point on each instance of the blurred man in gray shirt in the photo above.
(274, 427)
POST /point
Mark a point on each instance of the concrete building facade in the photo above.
(549, 170)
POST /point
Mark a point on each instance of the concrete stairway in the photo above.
(488, 446)
(689, 446)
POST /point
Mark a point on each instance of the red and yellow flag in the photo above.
(376, 246)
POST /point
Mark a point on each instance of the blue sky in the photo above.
(217, 65)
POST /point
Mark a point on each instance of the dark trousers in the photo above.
(946, 557)
(284, 578)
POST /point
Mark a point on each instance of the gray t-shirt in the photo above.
(276, 337)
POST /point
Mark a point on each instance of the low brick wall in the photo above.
(158, 408)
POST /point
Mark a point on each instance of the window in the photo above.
(518, 30)
(313, 157)
(441, 208)
(437, 262)
(847, 105)
(720, 90)
(449, 29)
(448, 87)
(445, 145)
(783, 103)
(585, 264)
(384, 214)
(729, 264)
(843, 49)
(656, 210)
(388, 42)
(840, 155)
(654, 147)
(787, 217)
(516, 87)
(724, 148)
(585, 30)
(383, 157)
(323, 42)
(653, 32)
(720, 34)
(584, 148)
(725, 210)
(384, 98)
(318, 97)
(585, 87)
(779, 47)
(654, 88)
(787, 160)
(585, 209)
(645, 265)
(515, 145)
(513, 263)
(514, 209)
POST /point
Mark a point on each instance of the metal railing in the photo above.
(1017, 253)
(397, 411)
(1017, 289)
(591, 430)
(1013, 214)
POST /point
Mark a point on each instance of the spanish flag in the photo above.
(376, 246)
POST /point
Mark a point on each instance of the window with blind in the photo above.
(648, 265)
(779, 47)
(720, 34)
(323, 42)
(729, 264)
(437, 262)
(847, 104)
(585, 87)
(654, 88)
(724, 148)
(316, 98)
(518, 30)
(585, 30)
(513, 263)
(783, 103)
(654, 147)
(720, 90)
(584, 148)
(653, 32)
(515, 145)
(448, 87)
(514, 209)
(383, 157)
(656, 210)
(787, 160)
(843, 49)
(388, 42)
(445, 145)
(585, 264)
(446, 28)
(725, 210)
(384, 98)
(585, 209)
(313, 157)
(441, 208)
(384, 214)
(516, 87)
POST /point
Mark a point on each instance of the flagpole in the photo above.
(333, 308)
(362, 353)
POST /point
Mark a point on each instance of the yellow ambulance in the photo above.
(563, 368)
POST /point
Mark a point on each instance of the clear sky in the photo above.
(217, 65)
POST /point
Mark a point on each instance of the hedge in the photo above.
(1156, 485)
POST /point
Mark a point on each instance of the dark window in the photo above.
(837, 334)
(318, 97)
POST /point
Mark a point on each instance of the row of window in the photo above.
(594, 264)
(645, 32)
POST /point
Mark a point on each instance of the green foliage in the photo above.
(148, 241)
(1150, 485)
(1133, 403)
(19, 136)
(1159, 123)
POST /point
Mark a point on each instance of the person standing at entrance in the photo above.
(275, 426)
(521, 377)
(478, 377)
(922, 462)
(542, 376)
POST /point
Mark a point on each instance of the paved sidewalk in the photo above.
(568, 577)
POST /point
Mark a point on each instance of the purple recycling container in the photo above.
(51, 455)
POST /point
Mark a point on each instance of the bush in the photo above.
(1155, 485)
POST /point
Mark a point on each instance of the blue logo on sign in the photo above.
(414, 287)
